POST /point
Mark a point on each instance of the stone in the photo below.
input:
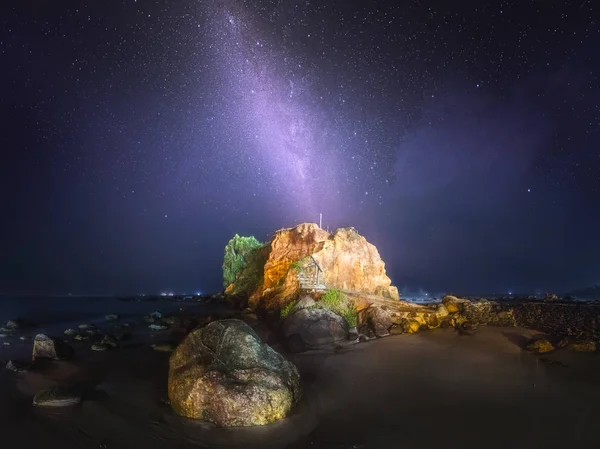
(17, 367)
(583, 346)
(490, 313)
(305, 302)
(100, 347)
(366, 331)
(250, 318)
(442, 311)
(153, 317)
(158, 327)
(378, 319)
(70, 332)
(396, 330)
(316, 327)
(12, 324)
(224, 373)
(6, 343)
(57, 397)
(111, 317)
(353, 334)
(45, 347)
(453, 304)
(432, 321)
(466, 328)
(109, 341)
(411, 326)
(539, 346)
(5, 335)
(363, 338)
(163, 347)
(81, 337)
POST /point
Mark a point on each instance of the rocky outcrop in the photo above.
(314, 327)
(224, 373)
(297, 256)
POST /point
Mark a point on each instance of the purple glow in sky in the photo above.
(287, 137)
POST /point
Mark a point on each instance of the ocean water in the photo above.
(53, 314)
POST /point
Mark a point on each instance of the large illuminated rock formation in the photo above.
(307, 257)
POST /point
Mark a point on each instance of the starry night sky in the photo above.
(462, 138)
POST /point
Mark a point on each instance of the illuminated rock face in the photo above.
(225, 374)
(344, 260)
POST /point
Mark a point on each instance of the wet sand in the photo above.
(430, 389)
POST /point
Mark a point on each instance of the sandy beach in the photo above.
(429, 389)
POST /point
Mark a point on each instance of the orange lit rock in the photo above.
(346, 260)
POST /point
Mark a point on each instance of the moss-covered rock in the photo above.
(225, 374)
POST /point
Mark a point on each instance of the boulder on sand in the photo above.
(224, 373)
(315, 327)
(540, 346)
(378, 319)
(411, 326)
(45, 347)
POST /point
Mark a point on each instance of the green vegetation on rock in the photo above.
(299, 264)
(288, 308)
(335, 301)
(238, 253)
(351, 316)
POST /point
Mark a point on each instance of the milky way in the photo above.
(285, 133)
